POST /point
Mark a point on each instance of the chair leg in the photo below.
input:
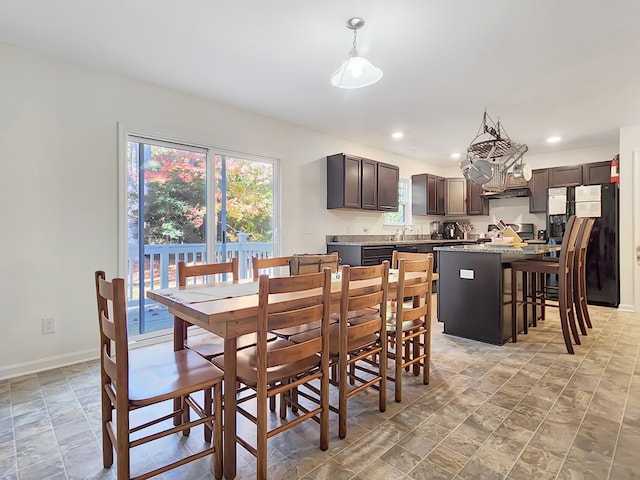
(577, 303)
(534, 299)
(382, 391)
(208, 410)
(407, 355)
(398, 371)
(416, 353)
(217, 430)
(562, 305)
(185, 416)
(426, 370)
(514, 304)
(525, 305)
(342, 397)
(107, 444)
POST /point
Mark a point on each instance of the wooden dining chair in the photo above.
(538, 297)
(207, 344)
(357, 342)
(579, 280)
(264, 263)
(281, 367)
(131, 381)
(409, 327)
(396, 255)
(362, 340)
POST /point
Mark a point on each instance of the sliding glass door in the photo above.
(171, 190)
(166, 223)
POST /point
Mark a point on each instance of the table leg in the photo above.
(230, 373)
(178, 344)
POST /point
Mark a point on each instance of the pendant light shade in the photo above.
(355, 71)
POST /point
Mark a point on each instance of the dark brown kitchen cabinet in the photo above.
(427, 194)
(369, 184)
(344, 181)
(565, 176)
(456, 196)
(596, 173)
(354, 182)
(538, 185)
(476, 203)
(388, 179)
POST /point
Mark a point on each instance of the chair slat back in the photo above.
(418, 288)
(112, 320)
(263, 263)
(411, 256)
(374, 297)
(309, 301)
(203, 270)
(568, 250)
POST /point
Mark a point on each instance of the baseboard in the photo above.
(623, 307)
(57, 361)
(42, 364)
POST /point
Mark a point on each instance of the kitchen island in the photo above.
(474, 290)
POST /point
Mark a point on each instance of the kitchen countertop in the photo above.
(366, 243)
(533, 249)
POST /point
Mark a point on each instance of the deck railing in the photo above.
(161, 261)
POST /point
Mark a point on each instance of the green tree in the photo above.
(175, 196)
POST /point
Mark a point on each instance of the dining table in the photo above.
(230, 310)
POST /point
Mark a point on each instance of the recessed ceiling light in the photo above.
(397, 135)
(554, 139)
(455, 155)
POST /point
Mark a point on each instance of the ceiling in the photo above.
(544, 67)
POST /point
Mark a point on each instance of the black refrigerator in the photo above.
(603, 263)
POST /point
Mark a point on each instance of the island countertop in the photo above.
(531, 249)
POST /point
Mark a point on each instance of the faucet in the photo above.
(406, 228)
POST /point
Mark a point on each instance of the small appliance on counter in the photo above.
(436, 230)
(451, 231)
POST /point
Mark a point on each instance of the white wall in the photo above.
(629, 218)
(58, 190)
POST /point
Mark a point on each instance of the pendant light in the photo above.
(355, 71)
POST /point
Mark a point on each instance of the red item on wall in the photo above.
(615, 173)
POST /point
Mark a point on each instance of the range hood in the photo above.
(509, 193)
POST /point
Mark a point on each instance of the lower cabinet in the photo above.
(357, 255)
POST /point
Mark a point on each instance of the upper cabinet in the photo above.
(388, 179)
(596, 173)
(427, 194)
(476, 203)
(456, 196)
(538, 185)
(355, 182)
(369, 184)
(344, 181)
(565, 176)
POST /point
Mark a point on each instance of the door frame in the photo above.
(121, 228)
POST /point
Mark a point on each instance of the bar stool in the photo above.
(564, 268)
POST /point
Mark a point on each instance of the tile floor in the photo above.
(519, 411)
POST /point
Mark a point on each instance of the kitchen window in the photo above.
(403, 215)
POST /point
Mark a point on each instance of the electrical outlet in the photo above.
(48, 325)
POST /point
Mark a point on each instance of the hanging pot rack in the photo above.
(490, 155)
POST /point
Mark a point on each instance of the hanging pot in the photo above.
(522, 172)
